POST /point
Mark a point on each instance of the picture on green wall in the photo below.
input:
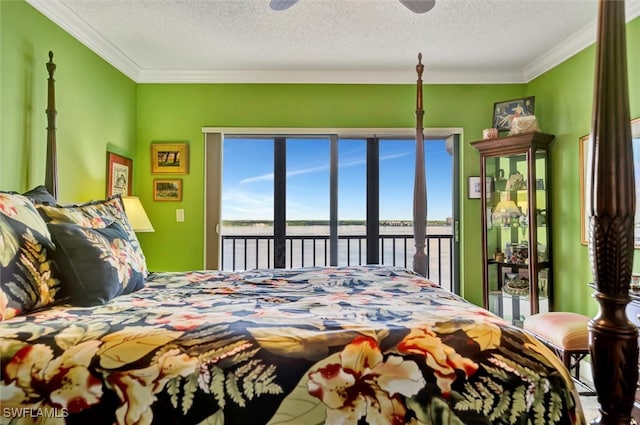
(584, 213)
(167, 190)
(119, 174)
(505, 111)
(169, 158)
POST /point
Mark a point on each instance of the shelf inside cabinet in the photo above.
(516, 224)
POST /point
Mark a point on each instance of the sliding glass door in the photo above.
(323, 200)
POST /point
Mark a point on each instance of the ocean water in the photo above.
(304, 251)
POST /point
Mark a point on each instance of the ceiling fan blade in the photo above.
(418, 6)
(282, 4)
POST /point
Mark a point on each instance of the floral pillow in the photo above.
(96, 215)
(95, 265)
(27, 281)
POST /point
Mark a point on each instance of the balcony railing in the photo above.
(243, 252)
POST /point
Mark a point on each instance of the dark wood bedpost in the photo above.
(420, 184)
(51, 173)
(612, 338)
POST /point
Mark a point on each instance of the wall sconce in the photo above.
(137, 216)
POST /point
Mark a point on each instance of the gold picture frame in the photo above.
(170, 158)
(584, 140)
(169, 190)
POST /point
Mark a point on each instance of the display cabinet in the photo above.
(516, 224)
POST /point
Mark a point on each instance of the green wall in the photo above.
(567, 91)
(101, 109)
(95, 103)
(177, 112)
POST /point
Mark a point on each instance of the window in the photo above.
(339, 201)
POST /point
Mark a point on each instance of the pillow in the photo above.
(95, 265)
(26, 278)
(96, 215)
(40, 195)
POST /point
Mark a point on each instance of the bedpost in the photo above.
(611, 201)
(420, 184)
(51, 173)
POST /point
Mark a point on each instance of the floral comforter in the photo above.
(351, 345)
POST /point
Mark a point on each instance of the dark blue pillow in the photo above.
(40, 195)
(95, 265)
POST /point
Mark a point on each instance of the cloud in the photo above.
(240, 205)
(320, 168)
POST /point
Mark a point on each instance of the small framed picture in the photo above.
(505, 111)
(170, 158)
(167, 190)
(119, 174)
(475, 189)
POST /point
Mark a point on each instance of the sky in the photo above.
(247, 182)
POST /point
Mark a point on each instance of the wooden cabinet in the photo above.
(516, 220)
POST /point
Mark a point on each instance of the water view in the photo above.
(249, 245)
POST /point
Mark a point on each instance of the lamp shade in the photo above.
(505, 210)
(136, 214)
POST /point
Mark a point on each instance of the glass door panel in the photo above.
(307, 183)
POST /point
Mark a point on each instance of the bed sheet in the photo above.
(348, 345)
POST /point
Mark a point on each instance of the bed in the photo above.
(98, 339)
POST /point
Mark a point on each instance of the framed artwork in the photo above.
(475, 189)
(119, 174)
(505, 111)
(170, 158)
(584, 219)
(167, 190)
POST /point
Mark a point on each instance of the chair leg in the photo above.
(566, 359)
(576, 365)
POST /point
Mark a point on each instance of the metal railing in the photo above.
(244, 252)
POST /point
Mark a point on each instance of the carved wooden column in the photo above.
(420, 184)
(51, 173)
(611, 206)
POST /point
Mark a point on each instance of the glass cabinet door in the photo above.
(516, 254)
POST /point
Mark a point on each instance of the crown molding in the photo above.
(65, 18)
(325, 77)
(573, 45)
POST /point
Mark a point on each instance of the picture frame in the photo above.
(169, 190)
(119, 174)
(505, 110)
(169, 158)
(584, 219)
(475, 189)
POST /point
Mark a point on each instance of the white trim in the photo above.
(429, 133)
(327, 77)
(573, 45)
(65, 18)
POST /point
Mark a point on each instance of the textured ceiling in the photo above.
(342, 41)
